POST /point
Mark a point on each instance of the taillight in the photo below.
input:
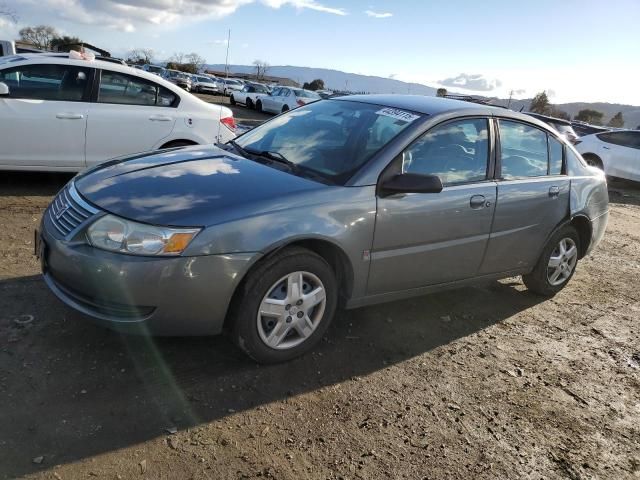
(300, 102)
(229, 122)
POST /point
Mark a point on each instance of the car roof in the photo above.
(434, 105)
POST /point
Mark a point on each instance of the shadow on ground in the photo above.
(78, 390)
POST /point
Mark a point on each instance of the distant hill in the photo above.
(338, 80)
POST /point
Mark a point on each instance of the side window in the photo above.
(125, 89)
(456, 151)
(555, 156)
(285, 92)
(523, 150)
(47, 82)
(166, 98)
(624, 139)
(276, 92)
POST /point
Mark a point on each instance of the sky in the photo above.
(575, 50)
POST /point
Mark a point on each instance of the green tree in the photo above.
(556, 112)
(617, 121)
(65, 43)
(39, 36)
(590, 116)
(441, 92)
(317, 84)
(540, 104)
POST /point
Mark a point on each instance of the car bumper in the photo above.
(208, 89)
(144, 295)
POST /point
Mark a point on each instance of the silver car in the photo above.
(344, 202)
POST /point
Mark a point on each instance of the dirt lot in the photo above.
(478, 383)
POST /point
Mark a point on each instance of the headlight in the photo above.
(119, 235)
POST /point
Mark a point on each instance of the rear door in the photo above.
(425, 239)
(620, 152)
(43, 119)
(533, 196)
(131, 115)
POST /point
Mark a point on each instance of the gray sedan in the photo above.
(344, 202)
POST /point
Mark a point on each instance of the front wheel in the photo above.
(249, 103)
(259, 106)
(593, 161)
(557, 263)
(285, 306)
(285, 108)
(232, 100)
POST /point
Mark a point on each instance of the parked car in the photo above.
(230, 85)
(249, 94)
(204, 84)
(181, 79)
(63, 114)
(616, 152)
(356, 200)
(325, 93)
(583, 129)
(281, 99)
(562, 126)
(155, 69)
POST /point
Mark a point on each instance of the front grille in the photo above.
(68, 210)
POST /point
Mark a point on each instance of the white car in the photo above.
(230, 85)
(615, 152)
(282, 99)
(249, 94)
(64, 115)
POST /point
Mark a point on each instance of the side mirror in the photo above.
(411, 183)
(4, 89)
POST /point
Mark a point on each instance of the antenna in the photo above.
(226, 70)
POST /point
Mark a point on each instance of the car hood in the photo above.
(192, 186)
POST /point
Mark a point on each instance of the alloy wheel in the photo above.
(291, 310)
(562, 262)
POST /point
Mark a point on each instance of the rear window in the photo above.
(624, 139)
(523, 150)
(306, 94)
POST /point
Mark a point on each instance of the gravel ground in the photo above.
(477, 383)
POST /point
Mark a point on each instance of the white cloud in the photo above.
(130, 15)
(373, 14)
(474, 82)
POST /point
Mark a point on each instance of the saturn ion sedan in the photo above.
(344, 202)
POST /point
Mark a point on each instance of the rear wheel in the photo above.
(232, 100)
(285, 108)
(178, 143)
(593, 160)
(259, 106)
(557, 263)
(285, 306)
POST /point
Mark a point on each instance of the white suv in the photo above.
(62, 114)
(616, 152)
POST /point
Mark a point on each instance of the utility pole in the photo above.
(510, 95)
(226, 61)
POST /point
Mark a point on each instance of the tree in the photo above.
(261, 68)
(140, 56)
(441, 92)
(317, 84)
(177, 57)
(556, 112)
(540, 104)
(39, 36)
(65, 43)
(194, 61)
(617, 121)
(590, 116)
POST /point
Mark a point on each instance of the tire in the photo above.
(285, 108)
(295, 322)
(258, 106)
(249, 103)
(593, 160)
(543, 280)
(232, 100)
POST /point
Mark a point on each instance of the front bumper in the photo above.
(145, 295)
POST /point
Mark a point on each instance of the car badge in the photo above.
(61, 211)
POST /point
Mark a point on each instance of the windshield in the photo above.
(154, 69)
(205, 80)
(331, 138)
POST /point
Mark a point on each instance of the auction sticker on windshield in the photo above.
(398, 114)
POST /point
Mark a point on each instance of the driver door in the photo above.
(426, 239)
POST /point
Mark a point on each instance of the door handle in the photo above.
(605, 147)
(477, 201)
(554, 192)
(69, 116)
(160, 118)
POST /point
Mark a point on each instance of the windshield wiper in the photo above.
(239, 149)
